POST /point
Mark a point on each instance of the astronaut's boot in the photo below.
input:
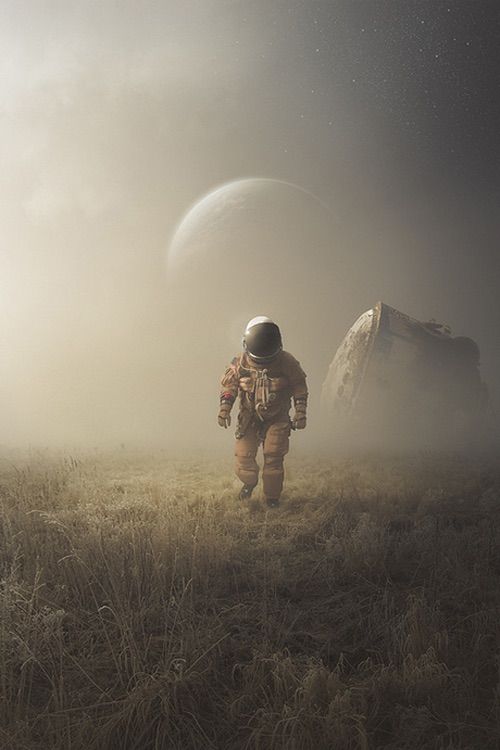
(246, 492)
(272, 502)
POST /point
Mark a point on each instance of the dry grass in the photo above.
(142, 607)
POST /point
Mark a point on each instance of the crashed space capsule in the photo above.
(397, 372)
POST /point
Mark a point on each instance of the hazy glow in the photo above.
(115, 117)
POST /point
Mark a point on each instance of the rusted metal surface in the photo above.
(346, 371)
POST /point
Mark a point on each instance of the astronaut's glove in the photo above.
(224, 417)
(299, 420)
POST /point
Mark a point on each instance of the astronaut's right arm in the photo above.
(228, 391)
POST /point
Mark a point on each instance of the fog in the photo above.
(116, 119)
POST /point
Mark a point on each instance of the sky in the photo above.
(117, 117)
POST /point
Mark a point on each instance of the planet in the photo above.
(250, 226)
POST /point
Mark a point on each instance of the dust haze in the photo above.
(117, 119)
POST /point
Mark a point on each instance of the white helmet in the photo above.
(262, 339)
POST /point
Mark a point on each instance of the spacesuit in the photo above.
(266, 378)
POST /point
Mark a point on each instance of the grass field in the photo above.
(143, 607)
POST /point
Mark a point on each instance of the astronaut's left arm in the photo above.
(300, 394)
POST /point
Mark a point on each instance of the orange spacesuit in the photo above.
(266, 379)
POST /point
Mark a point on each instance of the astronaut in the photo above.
(266, 378)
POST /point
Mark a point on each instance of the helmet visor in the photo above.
(263, 340)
